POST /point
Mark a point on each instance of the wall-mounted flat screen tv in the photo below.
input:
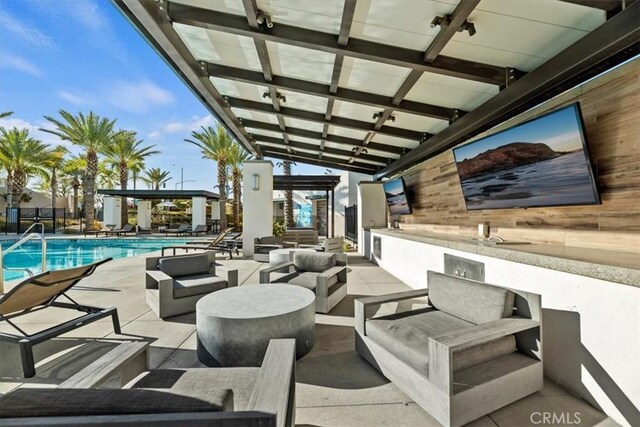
(396, 194)
(542, 162)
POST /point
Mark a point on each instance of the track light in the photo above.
(263, 18)
(445, 21)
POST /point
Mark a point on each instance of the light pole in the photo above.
(181, 179)
(182, 182)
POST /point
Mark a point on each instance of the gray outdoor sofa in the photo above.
(225, 397)
(474, 349)
(175, 284)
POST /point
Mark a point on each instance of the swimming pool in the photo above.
(65, 253)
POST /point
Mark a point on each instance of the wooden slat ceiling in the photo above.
(371, 85)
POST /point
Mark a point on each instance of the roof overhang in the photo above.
(160, 194)
(370, 87)
(305, 182)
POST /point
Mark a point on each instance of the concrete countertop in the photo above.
(612, 266)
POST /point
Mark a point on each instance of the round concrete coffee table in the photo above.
(234, 325)
(279, 256)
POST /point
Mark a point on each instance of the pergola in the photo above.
(379, 86)
(326, 183)
(200, 198)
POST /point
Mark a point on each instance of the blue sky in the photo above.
(82, 55)
(560, 130)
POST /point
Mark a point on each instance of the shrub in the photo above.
(278, 228)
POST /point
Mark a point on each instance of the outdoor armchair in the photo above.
(43, 291)
(255, 396)
(175, 284)
(323, 273)
(330, 244)
(263, 245)
(475, 348)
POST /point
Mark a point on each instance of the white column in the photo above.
(112, 206)
(215, 210)
(257, 201)
(198, 211)
(372, 212)
(144, 214)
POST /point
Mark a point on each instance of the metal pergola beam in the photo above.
(382, 161)
(304, 133)
(312, 159)
(357, 48)
(342, 122)
(610, 6)
(610, 44)
(448, 30)
(321, 90)
(158, 31)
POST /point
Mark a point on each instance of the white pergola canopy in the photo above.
(370, 85)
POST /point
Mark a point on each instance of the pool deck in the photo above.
(335, 387)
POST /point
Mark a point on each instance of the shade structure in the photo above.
(378, 86)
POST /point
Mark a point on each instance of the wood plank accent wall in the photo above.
(611, 110)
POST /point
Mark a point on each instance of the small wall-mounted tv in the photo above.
(541, 162)
(396, 194)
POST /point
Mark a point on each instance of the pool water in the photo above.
(65, 253)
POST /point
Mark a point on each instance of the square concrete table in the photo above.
(234, 325)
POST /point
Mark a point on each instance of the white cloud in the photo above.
(154, 135)
(34, 130)
(138, 97)
(27, 33)
(195, 123)
(73, 98)
(14, 62)
(88, 14)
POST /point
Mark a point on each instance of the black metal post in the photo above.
(333, 214)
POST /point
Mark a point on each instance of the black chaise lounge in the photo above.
(42, 291)
(214, 245)
(128, 228)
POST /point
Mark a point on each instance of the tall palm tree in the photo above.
(92, 133)
(215, 145)
(156, 178)
(288, 195)
(123, 154)
(53, 165)
(22, 156)
(237, 156)
(73, 171)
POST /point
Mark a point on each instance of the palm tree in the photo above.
(21, 156)
(156, 178)
(288, 195)
(53, 165)
(215, 145)
(73, 171)
(5, 114)
(92, 133)
(237, 156)
(124, 154)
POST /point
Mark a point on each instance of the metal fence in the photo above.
(351, 223)
(19, 219)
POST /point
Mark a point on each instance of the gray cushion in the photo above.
(197, 285)
(313, 261)
(268, 240)
(189, 265)
(472, 301)
(203, 383)
(34, 402)
(309, 279)
(406, 335)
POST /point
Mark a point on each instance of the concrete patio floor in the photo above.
(335, 387)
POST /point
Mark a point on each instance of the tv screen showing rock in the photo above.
(396, 195)
(542, 162)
